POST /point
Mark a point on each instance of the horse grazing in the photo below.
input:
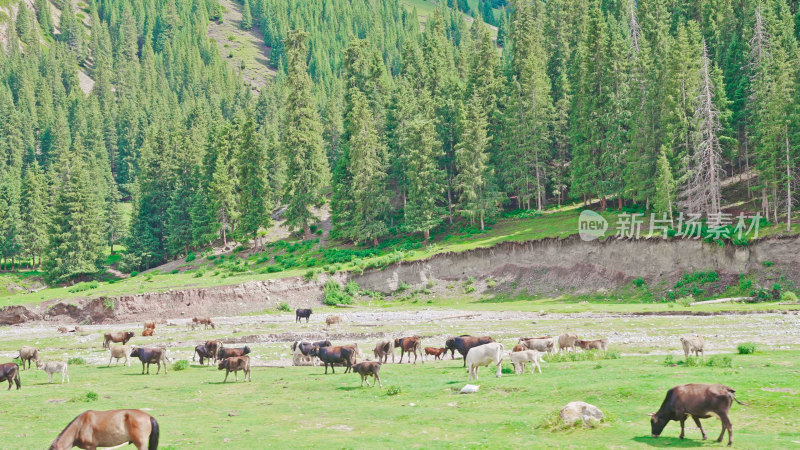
(93, 429)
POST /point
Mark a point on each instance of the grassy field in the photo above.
(301, 407)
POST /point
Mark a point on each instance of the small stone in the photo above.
(575, 411)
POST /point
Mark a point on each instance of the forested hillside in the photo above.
(400, 128)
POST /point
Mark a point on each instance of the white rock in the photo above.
(575, 411)
(470, 389)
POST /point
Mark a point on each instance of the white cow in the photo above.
(693, 344)
(52, 368)
(120, 351)
(483, 355)
(518, 359)
(541, 345)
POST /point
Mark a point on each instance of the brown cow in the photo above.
(436, 352)
(567, 341)
(205, 321)
(367, 368)
(332, 320)
(223, 353)
(334, 355)
(151, 324)
(10, 372)
(93, 429)
(409, 345)
(63, 330)
(147, 332)
(519, 348)
(597, 344)
(235, 364)
(383, 349)
(699, 401)
(119, 336)
(465, 342)
(213, 347)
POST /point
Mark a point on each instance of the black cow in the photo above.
(305, 347)
(203, 352)
(699, 401)
(10, 372)
(334, 355)
(231, 352)
(151, 356)
(464, 343)
(302, 313)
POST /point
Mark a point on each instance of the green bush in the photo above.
(181, 364)
(284, 307)
(723, 361)
(76, 361)
(685, 301)
(90, 396)
(788, 296)
(310, 274)
(85, 286)
(394, 390)
(747, 348)
(190, 257)
(639, 282)
(469, 289)
(352, 288)
(134, 273)
(403, 287)
(333, 294)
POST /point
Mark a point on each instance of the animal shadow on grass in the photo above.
(350, 388)
(672, 442)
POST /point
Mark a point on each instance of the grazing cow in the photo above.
(120, 351)
(205, 321)
(521, 339)
(28, 354)
(464, 343)
(367, 368)
(231, 352)
(436, 352)
(301, 354)
(93, 429)
(10, 372)
(693, 345)
(63, 330)
(699, 401)
(301, 313)
(151, 356)
(409, 345)
(213, 347)
(544, 345)
(332, 320)
(334, 355)
(147, 332)
(51, 368)
(483, 355)
(597, 344)
(383, 349)
(235, 364)
(518, 360)
(567, 341)
(117, 337)
(202, 351)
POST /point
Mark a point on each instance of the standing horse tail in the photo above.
(152, 444)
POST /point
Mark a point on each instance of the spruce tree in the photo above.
(255, 196)
(307, 167)
(34, 220)
(473, 182)
(247, 16)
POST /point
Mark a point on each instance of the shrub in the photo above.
(669, 360)
(402, 287)
(310, 274)
(767, 263)
(685, 301)
(190, 257)
(273, 269)
(85, 286)
(470, 280)
(90, 396)
(108, 304)
(788, 296)
(394, 390)
(333, 294)
(469, 289)
(284, 307)
(198, 274)
(639, 282)
(134, 273)
(720, 361)
(747, 348)
(352, 288)
(175, 271)
(181, 364)
(76, 361)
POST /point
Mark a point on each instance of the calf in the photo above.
(205, 321)
(409, 345)
(119, 336)
(519, 348)
(51, 368)
(597, 344)
(235, 364)
(367, 368)
(302, 314)
(544, 345)
(693, 345)
(567, 341)
(147, 332)
(518, 360)
(28, 354)
(464, 343)
(151, 356)
(332, 320)
(436, 352)
(10, 372)
(231, 352)
(383, 349)
(334, 355)
(483, 355)
(699, 401)
(213, 347)
(120, 351)
(203, 352)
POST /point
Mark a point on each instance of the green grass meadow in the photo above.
(302, 407)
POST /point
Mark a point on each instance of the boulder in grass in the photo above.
(470, 389)
(575, 411)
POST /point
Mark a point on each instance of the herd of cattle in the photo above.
(693, 400)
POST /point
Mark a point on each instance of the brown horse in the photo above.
(93, 429)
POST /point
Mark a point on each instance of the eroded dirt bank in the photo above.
(549, 266)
